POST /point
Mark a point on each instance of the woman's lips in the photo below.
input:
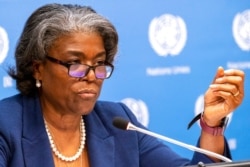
(86, 94)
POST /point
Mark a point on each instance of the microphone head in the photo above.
(120, 123)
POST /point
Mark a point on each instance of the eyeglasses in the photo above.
(81, 70)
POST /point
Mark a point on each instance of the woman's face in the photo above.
(63, 93)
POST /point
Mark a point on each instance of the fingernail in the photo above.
(212, 86)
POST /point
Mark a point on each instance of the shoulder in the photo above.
(108, 104)
(10, 104)
(11, 99)
(10, 124)
(107, 110)
(10, 116)
(111, 107)
(11, 109)
(11, 112)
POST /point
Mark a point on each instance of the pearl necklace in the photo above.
(81, 147)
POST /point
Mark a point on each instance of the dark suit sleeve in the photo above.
(4, 149)
(155, 153)
(198, 157)
(3, 154)
(152, 151)
(9, 127)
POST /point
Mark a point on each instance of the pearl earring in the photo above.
(38, 83)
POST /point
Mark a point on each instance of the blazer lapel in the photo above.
(36, 147)
(99, 142)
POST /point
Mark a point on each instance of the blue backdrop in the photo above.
(168, 54)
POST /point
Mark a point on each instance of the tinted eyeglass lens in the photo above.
(102, 72)
(78, 70)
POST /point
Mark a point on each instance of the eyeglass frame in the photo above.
(67, 65)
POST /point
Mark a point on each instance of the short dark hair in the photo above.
(47, 24)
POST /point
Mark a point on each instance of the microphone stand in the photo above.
(130, 126)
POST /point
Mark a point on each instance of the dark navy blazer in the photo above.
(24, 141)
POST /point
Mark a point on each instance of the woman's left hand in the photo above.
(224, 95)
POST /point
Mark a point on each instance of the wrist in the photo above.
(217, 130)
(210, 122)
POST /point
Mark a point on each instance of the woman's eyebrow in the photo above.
(81, 54)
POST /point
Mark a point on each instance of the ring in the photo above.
(237, 93)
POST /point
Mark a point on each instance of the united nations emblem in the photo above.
(241, 30)
(139, 109)
(167, 35)
(4, 44)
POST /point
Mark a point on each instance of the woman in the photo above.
(63, 56)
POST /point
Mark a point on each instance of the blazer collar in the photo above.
(36, 147)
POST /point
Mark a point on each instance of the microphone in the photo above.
(126, 125)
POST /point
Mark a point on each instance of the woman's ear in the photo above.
(37, 70)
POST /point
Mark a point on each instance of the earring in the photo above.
(38, 83)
